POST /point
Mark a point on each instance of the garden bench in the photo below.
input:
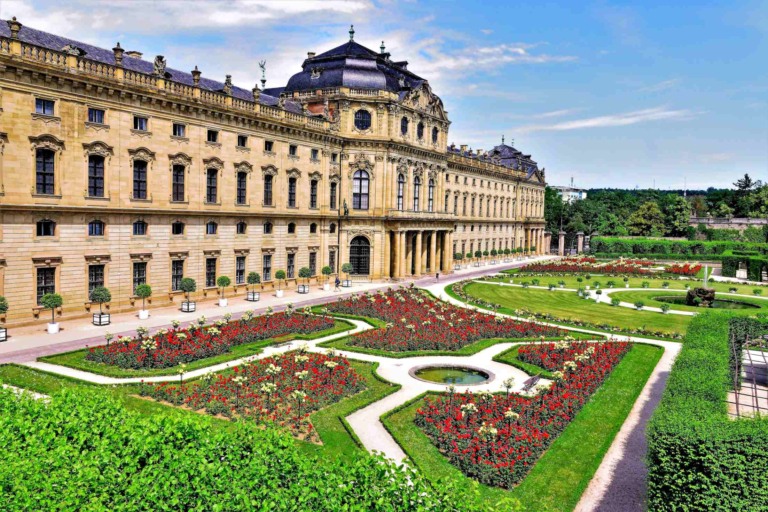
(530, 382)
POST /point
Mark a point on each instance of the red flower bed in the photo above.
(568, 266)
(416, 321)
(281, 390)
(685, 269)
(171, 347)
(497, 438)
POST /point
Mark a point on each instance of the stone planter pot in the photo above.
(3, 334)
(101, 319)
(143, 314)
(53, 328)
(252, 296)
(346, 283)
(279, 293)
(326, 287)
(303, 288)
(457, 267)
(626, 285)
(223, 303)
(188, 306)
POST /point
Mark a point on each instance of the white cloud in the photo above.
(556, 113)
(624, 119)
(486, 31)
(661, 86)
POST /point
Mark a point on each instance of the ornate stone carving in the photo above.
(141, 153)
(315, 72)
(180, 159)
(344, 105)
(213, 163)
(269, 170)
(159, 65)
(47, 142)
(361, 162)
(97, 148)
(243, 167)
(315, 176)
(293, 173)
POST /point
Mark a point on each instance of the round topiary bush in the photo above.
(52, 301)
(143, 291)
(222, 282)
(187, 285)
(253, 278)
(100, 295)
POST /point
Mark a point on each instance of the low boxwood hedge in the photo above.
(698, 458)
(661, 248)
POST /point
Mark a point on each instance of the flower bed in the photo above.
(416, 321)
(497, 438)
(281, 390)
(583, 265)
(171, 347)
(684, 269)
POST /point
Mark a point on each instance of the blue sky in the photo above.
(615, 94)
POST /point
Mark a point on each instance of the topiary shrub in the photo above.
(279, 275)
(222, 282)
(143, 291)
(188, 285)
(52, 301)
(253, 278)
(615, 302)
(3, 305)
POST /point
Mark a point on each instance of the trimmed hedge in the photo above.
(754, 260)
(661, 248)
(699, 459)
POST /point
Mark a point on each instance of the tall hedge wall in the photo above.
(699, 459)
(660, 248)
(754, 260)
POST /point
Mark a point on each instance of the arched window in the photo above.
(268, 190)
(291, 192)
(140, 228)
(267, 228)
(400, 190)
(360, 255)
(177, 183)
(177, 228)
(291, 228)
(241, 227)
(95, 176)
(435, 132)
(46, 227)
(362, 119)
(360, 190)
(313, 228)
(420, 131)
(211, 228)
(416, 193)
(332, 228)
(431, 196)
(404, 126)
(96, 228)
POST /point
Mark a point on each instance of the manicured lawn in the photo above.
(560, 476)
(648, 298)
(76, 359)
(568, 305)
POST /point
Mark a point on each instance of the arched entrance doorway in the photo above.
(360, 255)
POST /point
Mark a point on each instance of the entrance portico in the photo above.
(414, 252)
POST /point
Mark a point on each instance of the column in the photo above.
(547, 242)
(580, 242)
(434, 267)
(561, 243)
(385, 272)
(401, 251)
(447, 255)
(408, 254)
(418, 252)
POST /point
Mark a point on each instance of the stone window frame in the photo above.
(3, 142)
(292, 173)
(104, 150)
(213, 163)
(38, 262)
(92, 220)
(57, 146)
(56, 228)
(184, 160)
(268, 170)
(145, 155)
(247, 168)
(95, 259)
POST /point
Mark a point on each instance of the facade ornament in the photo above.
(281, 101)
(159, 65)
(213, 163)
(326, 110)
(71, 49)
(228, 85)
(47, 141)
(97, 148)
(180, 159)
(315, 175)
(401, 81)
(196, 76)
(118, 52)
(15, 27)
(351, 33)
(269, 170)
(315, 73)
(256, 93)
(243, 167)
(345, 104)
(361, 162)
(263, 66)
(293, 173)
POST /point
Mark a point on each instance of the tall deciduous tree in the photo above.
(648, 220)
(677, 214)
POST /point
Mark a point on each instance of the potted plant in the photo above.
(665, 308)
(347, 269)
(143, 291)
(639, 305)
(485, 257)
(507, 252)
(457, 257)
(468, 256)
(626, 282)
(615, 302)
(478, 255)
(188, 285)
(253, 279)
(326, 271)
(532, 250)
(279, 275)
(3, 311)
(304, 273)
(100, 295)
(52, 301)
(494, 252)
(222, 282)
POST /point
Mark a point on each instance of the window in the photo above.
(210, 272)
(139, 228)
(46, 228)
(177, 274)
(211, 186)
(96, 228)
(268, 190)
(240, 270)
(291, 228)
(400, 190)
(241, 227)
(416, 193)
(404, 126)
(473, 207)
(140, 123)
(211, 228)
(334, 157)
(313, 228)
(313, 263)
(360, 190)
(431, 196)
(420, 131)
(362, 119)
(139, 274)
(44, 171)
(46, 282)
(44, 107)
(177, 183)
(96, 115)
(139, 179)
(445, 201)
(269, 146)
(95, 277)
(456, 205)
(315, 154)
(95, 176)
(435, 132)
(332, 228)
(242, 141)
(177, 228)
(290, 271)
(464, 206)
(313, 194)
(267, 228)
(334, 186)
(212, 136)
(291, 192)
(293, 150)
(266, 267)
(332, 259)
(179, 130)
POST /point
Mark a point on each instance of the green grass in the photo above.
(568, 306)
(559, 478)
(76, 359)
(510, 357)
(648, 298)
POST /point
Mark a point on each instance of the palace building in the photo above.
(117, 171)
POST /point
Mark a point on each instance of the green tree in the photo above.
(52, 301)
(723, 210)
(100, 295)
(677, 214)
(143, 291)
(611, 225)
(648, 220)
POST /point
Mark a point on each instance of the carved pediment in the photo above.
(422, 99)
(97, 148)
(213, 163)
(180, 159)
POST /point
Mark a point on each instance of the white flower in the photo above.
(511, 415)
(301, 375)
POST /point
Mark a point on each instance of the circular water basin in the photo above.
(458, 375)
(717, 303)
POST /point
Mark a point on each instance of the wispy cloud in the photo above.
(486, 31)
(661, 86)
(623, 119)
(556, 113)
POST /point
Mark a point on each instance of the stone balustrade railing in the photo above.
(395, 214)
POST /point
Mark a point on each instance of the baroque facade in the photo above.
(117, 171)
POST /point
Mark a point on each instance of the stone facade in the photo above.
(109, 175)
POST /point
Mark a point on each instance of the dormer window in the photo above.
(362, 119)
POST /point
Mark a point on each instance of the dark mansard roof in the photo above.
(502, 154)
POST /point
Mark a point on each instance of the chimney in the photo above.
(310, 54)
(15, 27)
(134, 54)
(118, 51)
(463, 148)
